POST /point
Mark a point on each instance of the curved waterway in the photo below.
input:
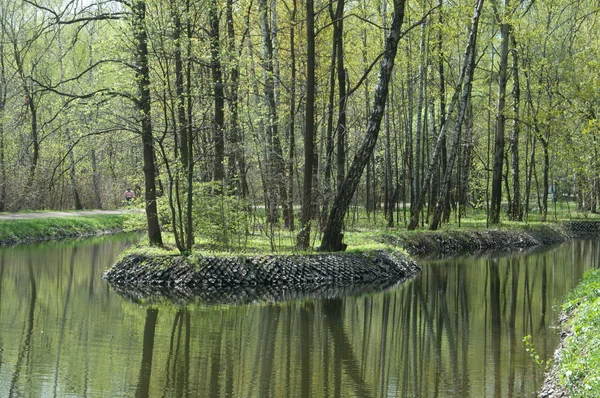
(456, 330)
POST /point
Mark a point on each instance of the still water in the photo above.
(454, 331)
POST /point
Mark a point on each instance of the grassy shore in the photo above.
(42, 229)
(471, 237)
(576, 371)
(250, 234)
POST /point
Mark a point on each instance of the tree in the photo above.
(303, 240)
(462, 110)
(516, 208)
(462, 89)
(237, 163)
(332, 235)
(144, 105)
(3, 96)
(275, 183)
(289, 217)
(23, 41)
(496, 198)
(219, 96)
(187, 80)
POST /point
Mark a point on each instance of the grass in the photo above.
(362, 231)
(578, 366)
(361, 234)
(40, 229)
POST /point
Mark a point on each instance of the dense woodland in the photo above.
(291, 111)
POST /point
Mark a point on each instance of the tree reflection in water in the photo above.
(25, 347)
(143, 387)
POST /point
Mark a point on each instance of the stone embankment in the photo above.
(448, 243)
(457, 242)
(269, 278)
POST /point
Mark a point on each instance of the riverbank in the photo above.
(462, 242)
(382, 260)
(38, 227)
(576, 368)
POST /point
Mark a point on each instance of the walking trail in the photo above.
(54, 214)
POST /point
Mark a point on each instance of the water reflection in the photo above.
(143, 386)
(455, 330)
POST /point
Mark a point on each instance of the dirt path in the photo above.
(53, 214)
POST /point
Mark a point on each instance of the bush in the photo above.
(219, 217)
(222, 217)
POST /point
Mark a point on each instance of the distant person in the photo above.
(129, 196)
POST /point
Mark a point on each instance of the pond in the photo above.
(456, 330)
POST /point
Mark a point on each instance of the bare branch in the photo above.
(366, 74)
(61, 161)
(103, 91)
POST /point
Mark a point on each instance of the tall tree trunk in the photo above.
(462, 110)
(420, 101)
(444, 148)
(529, 176)
(467, 161)
(329, 141)
(516, 209)
(342, 93)
(260, 115)
(181, 122)
(31, 105)
(96, 181)
(369, 184)
(35, 142)
(409, 151)
(275, 165)
(274, 32)
(546, 180)
(70, 142)
(337, 65)
(441, 169)
(303, 239)
(388, 185)
(219, 96)
(292, 124)
(496, 198)
(95, 170)
(3, 90)
(332, 236)
(506, 175)
(143, 103)
(237, 161)
(462, 88)
(189, 134)
(72, 172)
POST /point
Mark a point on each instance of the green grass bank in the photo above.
(576, 368)
(54, 228)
